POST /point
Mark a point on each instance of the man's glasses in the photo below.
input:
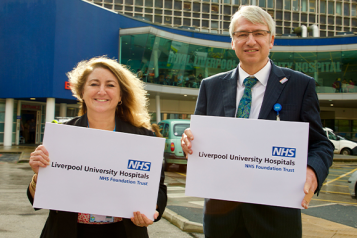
(243, 35)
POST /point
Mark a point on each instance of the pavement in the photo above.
(173, 225)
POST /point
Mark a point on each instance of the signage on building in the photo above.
(67, 85)
(200, 61)
(311, 67)
(30, 107)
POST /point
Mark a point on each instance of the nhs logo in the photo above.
(139, 165)
(284, 152)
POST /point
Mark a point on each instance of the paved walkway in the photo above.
(312, 226)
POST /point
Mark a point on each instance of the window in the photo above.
(214, 24)
(168, 20)
(339, 20)
(177, 21)
(168, 4)
(214, 8)
(138, 9)
(296, 17)
(158, 19)
(346, 9)
(129, 2)
(323, 19)
(270, 3)
(180, 128)
(139, 2)
(187, 6)
(196, 23)
(165, 131)
(322, 7)
(303, 17)
(346, 22)
(261, 3)
(149, 3)
(186, 22)
(196, 7)
(312, 18)
(279, 4)
(128, 8)
(119, 1)
(331, 8)
(338, 8)
(304, 5)
(245, 2)
(287, 4)
(204, 23)
(295, 5)
(227, 10)
(205, 8)
(178, 5)
(287, 16)
(353, 12)
(158, 3)
(312, 7)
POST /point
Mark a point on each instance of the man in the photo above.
(227, 94)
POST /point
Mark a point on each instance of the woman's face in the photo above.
(101, 91)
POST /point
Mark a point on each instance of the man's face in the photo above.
(252, 52)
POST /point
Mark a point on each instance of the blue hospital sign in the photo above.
(139, 165)
(284, 152)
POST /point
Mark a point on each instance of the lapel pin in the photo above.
(282, 81)
(277, 108)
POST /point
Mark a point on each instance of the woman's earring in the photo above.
(120, 103)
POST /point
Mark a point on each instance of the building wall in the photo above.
(214, 15)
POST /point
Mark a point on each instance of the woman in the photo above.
(112, 98)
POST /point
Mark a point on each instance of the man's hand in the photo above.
(309, 187)
(186, 139)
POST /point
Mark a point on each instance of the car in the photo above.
(172, 130)
(352, 184)
(342, 146)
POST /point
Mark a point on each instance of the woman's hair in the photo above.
(133, 108)
(156, 130)
(255, 15)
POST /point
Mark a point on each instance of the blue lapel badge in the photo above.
(282, 81)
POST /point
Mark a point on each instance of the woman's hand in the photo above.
(141, 220)
(39, 158)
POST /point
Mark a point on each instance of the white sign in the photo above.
(99, 172)
(247, 160)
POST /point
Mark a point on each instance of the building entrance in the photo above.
(31, 124)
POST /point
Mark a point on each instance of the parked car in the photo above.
(342, 146)
(172, 130)
(352, 184)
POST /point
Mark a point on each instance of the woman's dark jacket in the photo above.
(61, 224)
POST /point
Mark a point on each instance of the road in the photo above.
(334, 202)
(19, 220)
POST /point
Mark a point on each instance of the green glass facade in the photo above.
(168, 62)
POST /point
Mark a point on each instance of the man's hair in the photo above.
(255, 15)
(133, 108)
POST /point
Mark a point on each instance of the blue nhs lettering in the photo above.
(139, 165)
(284, 152)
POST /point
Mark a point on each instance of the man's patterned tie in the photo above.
(246, 100)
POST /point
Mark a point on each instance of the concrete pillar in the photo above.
(158, 110)
(63, 110)
(9, 114)
(18, 122)
(50, 109)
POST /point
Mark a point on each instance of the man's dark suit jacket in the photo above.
(298, 98)
(62, 224)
